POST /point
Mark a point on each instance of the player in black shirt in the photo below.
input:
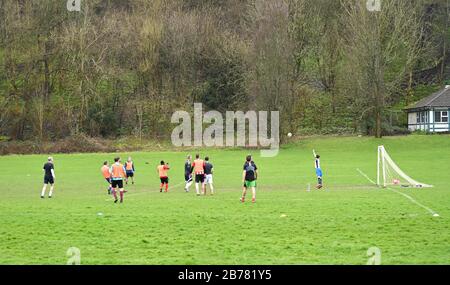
(188, 173)
(249, 177)
(209, 175)
(49, 177)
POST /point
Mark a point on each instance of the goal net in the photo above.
(389, 174)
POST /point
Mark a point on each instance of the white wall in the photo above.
(431, 126)
(412, 120)
(441, 127)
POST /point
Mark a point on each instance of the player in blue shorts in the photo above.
(318, 170)
(129, 170)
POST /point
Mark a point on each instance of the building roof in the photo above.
(438, 99)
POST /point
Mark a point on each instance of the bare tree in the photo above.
(382, 46)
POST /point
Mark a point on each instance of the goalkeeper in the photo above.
(318, 170)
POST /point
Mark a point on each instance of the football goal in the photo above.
(389, 174)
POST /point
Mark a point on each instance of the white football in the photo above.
(289, 134)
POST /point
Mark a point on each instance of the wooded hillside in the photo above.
(122, 67)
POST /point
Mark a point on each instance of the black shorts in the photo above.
(117, 184)
(130, 174)
(49, 180)
(164, 180)
(108, 180)
(188, 177)
(199, 178)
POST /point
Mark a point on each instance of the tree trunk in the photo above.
(379, 81)
(378, 112)
(46, 73)
(378, 133)
(409, 92)
(444, 48)
(444, 60)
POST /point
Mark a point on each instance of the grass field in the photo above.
(333, 226)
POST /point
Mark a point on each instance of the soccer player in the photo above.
(162, 170)
(188, 173)
(107, 175)
(318, 170)
(209, 175)
(129, 169)
(49, 177)
(198, 166)
(249, 177)
(117, 176)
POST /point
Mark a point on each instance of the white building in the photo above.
(431, 114)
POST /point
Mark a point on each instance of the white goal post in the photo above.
(388, 173)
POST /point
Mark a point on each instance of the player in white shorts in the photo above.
(209, 175)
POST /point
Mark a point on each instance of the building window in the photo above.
(441, 116)
(423, 117)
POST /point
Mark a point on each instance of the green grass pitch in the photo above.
(287, 225)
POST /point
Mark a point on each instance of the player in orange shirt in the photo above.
(129, 170)
(107, 175)
(117, 176)
(198, 166)
(162, 171)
